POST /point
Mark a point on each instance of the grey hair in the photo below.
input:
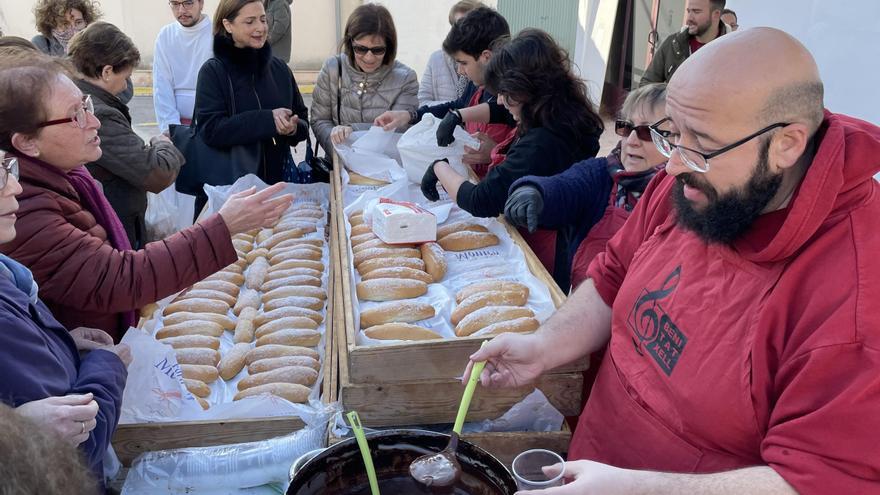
(648, 97)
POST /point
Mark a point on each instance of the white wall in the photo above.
(843, 36)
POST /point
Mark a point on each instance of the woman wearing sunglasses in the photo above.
(371, 80)
(70, 237)
(591, 200)
(68, 383)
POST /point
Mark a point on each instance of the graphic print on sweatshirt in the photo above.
(653, 330)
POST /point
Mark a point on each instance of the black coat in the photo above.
(260, 83)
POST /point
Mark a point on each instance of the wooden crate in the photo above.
(131, 440)
(417, 383)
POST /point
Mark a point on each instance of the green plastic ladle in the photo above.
(442, 469)
(358, 428)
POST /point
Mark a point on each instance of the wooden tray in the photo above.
(132, 440)
(417, 383)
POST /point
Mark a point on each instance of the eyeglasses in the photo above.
(80, 119)
(697, 160)
(9, 167)
(375, 50)
(187, 4)
(624, 128)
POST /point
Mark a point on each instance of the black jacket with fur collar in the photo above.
(259, 83)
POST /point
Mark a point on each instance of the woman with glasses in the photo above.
(556, 126)
(363, 82)
(247, 97)
(68, 383)
(128, 168)
(59, 20)
(68, 234)
(591, 200)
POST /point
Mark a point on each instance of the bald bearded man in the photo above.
(739, 302)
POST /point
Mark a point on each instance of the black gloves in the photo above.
(524, 207)
(447, 127)
(429, 182)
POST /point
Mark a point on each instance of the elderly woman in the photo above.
(366, 76)
(592, 199)
(59, 20)
(441, 82)
(75, 399)
(128, 168)
(69, 236)
(246, 96)
(556, 126)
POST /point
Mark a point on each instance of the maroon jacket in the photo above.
(83, 280)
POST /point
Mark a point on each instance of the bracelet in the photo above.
(413, 116)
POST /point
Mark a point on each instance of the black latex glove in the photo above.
(524, 207)
(447, 127)
(429, 182)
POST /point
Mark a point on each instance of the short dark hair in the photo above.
(24, 91)
(49, 14)
(796, 102)
(228, 10)
(370, 19)
(728, 11)
(99, 45)
(533, 70)
(718, 4)
(16, 42)
(475, 32)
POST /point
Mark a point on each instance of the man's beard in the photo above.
(725, 218)
(701, 29)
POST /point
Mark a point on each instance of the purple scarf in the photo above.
(93, 200)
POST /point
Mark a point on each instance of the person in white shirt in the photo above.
(181, 49)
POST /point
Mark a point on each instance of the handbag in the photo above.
(317, 167)
(206, 164)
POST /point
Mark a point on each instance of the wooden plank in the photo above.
(434, 402)
(505, 446)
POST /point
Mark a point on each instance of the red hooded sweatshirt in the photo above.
(763, 352)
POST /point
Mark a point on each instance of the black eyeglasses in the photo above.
(187, 4)
(624, 128)
(697, 160)
(80, 118)
(375, 50)
(9, 167)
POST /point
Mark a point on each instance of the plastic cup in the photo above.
(528, 473)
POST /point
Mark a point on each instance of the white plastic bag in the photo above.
(373, 154)
(161, 217)
(418, 148)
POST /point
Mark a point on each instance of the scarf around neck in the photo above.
(64, 36)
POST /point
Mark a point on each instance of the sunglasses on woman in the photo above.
(362, 50)
(624, 128)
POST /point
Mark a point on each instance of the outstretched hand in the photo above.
(248, 209)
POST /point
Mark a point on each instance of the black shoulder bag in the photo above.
(321, 167)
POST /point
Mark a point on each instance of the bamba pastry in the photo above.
(256, 273)
(400, 331)
(292, 392)
(368, 254)
(484, 317)
(243, 237)
(233, 361)
(270, 364)
(398, 272)
(396, 311)
(206, 294)
(360, 239)
(295, 291)
(242, 246)
(450, 228)
(197, 387)
(202, 373)
(184, 341)
(435, 260)
(376, 263)
(234, 278)
(318, 243)
(193, 327)
(283, 236)
(292, 272)
(467, 240)
(518, 325)
(304, 337)
(301, 375)
(224, 321)
(389, 289)
(293, 280)
(360, 230)
(234, 268)
(263, 236)
(218, 285)
(286, 323)
(376, 242)
(302, 302)
(287, 265)
(274, 351)
(285, 311)
(488, 298)
(197, 355)
(248, 298)
(490, 285)
(295, 254)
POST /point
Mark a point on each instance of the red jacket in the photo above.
(763, 352)
(498, 132)
(85, 281)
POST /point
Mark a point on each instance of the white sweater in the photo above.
(179, 54)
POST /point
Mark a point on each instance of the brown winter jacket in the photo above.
(82, 278)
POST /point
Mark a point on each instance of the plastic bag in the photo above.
(227, 468)
(533, 413)
(418, 148)
(373, 154)
(160, 218)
